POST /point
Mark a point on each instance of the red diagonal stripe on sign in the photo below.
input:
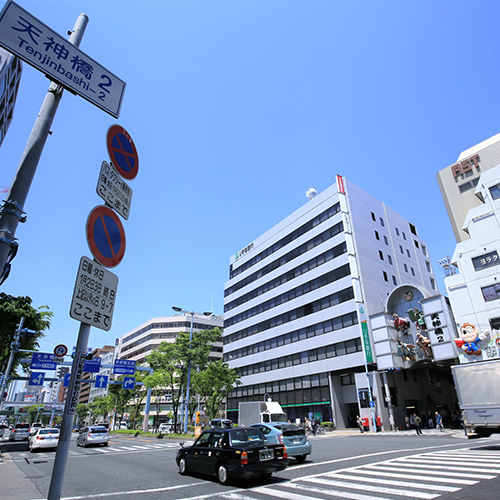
(123, 152)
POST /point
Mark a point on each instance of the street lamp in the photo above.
(186, 402)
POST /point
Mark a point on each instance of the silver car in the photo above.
(20, 432)
(43, 438)
(95, 434)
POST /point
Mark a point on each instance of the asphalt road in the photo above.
(344, 465)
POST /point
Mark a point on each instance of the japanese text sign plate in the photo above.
(43, 361)
(35, 43)
(114, 190)
(94, 296)
(124, 366)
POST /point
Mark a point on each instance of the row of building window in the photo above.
(315, 306)
(148, 338)
(330, 212)
(299, 358)
(183, 325)
(412, 229)
(298, 291)
(315, 262)
(293, 254)
(308, 392)
(307, 332)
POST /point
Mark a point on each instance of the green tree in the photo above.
(33, 412)
(123, 398)
(12, 309)
(81, 411)
(173, 358)
(213, 384)
(101, 406)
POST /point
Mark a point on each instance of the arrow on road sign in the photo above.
(128, 382)
(101, 381)
(36, 378)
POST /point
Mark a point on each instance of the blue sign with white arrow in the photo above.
(128, 382)
(124, 366)
(66, 380)
(43, 361)
(101, 381)
(36, 378)
(92, 365)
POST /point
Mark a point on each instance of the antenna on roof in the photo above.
(311, 193)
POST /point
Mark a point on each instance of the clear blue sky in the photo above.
(236, 109)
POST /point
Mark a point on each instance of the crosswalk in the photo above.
(424, 476)
(111, 449)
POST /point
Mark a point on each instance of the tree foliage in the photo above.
(213, 384)
(172, 360)
(12, 309)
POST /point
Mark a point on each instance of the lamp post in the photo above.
(186, 399)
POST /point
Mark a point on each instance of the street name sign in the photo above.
(43, 361)
(92, 365)
(124, 366)
(36, 378)
(35, 43)
(94, 296)
(114, 190)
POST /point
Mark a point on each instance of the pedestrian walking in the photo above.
(430, 419)
(439, 421)
(359, 420)
(416, 422)
(407, 421)
(315, 426)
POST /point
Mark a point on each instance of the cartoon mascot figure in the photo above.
(469, 338)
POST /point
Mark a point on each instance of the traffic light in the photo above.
(198, 414)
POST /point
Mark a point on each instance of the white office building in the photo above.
(303, 302)
(473, 281)
(10, 76)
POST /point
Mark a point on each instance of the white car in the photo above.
(95, 434)
(43, 438)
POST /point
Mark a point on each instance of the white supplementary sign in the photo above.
(114, 190)
(38, 45)
(94, 297)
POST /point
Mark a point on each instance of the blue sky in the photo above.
(236, 109)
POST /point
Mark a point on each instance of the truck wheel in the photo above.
(222, 474)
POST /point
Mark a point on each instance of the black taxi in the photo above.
(240, 452)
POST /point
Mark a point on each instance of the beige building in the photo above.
(458, 182)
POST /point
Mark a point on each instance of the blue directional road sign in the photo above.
(43, 361)
(66, 380)
(101, 382)
(92, 365)
(124, 366)
(36, 378)
(128, 382)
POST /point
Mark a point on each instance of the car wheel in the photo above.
(105, 444)
(266, 476)
(222, 474)
(183, 467)
(84, 444)
(300, 459)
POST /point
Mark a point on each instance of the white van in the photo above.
(123, 425)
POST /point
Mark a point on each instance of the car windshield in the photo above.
(246, 437)
(98, 430)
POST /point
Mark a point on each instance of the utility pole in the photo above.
(11, 210)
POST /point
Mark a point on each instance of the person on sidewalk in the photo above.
(439, 421)
(359, 420)
(417, 421)
(430, 419)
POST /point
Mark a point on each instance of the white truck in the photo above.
(478, 390)
(253, 412)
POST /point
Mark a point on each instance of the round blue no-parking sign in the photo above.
(122, 152)
(105, 236)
